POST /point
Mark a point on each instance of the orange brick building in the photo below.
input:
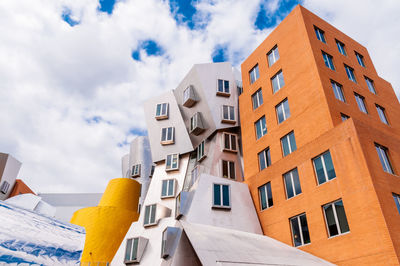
(321, 143)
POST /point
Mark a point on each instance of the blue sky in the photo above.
(75, 74)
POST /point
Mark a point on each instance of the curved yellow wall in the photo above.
(107, 224)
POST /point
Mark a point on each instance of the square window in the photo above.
(200, 151)
(370, 84)
(228, 114)
(300, 233)
(384, 158)
(162, 111)
(135, 170)
(254, 74)
(257, 99)
(261, 127)
(288, 143)
(273, 56)
(341, 48)
(265, 195)
(360, 59)
(230, 143)
(381, 113)
(221, 196)
(350, 73)
(172, 162)
(277, 81)
(167, 135)
(338, 91)
(168, 188)
(228, 169)
(335, 218)
(223, 87)
(361, 103)
(292, 183)
(282, 111)
(320, 34)
(323, 167)
(328, 59)
(396, 198)
(264, 159)
(150, 215)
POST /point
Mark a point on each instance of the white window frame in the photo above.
(131, 250)
(370, 84)
(228, 164)
(360, 59)
(136, 169)
(254, 74)
(349, 70)
(171, 157)
(361, 103)
(229, 119)
(328, 60)
(169, 194)
(285, 115)
(229, 136)
(200, 151)
(162, 115)
(257, 99)
(341, 47)
(276, 76)
(320, 34)
(275, 55)
(383, 151)
(222, 196)
(289, 143)
(196, 122)
(297, 217)
(339, 91)
(335, 217)
(382, 114)
(263, 128)
(323, 167)
(268, 164)
(292, 184)
(150, 222)
(226, 91)
(167, 141)
(264, 188)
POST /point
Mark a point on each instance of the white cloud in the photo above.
(54, 77)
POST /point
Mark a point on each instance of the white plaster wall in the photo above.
(10, 171)
(125, 165)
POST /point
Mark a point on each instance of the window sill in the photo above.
(201, 158)
(223, 94)
(134, 176)
(171, 169)
(150, 225)
(339, 235)
(167, 142)
(228, 121)
(167, 197)
(161, 117)
(226, 208)
(229, 150)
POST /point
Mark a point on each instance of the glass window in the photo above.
(341, 48)
(200, 151)
(323, 167)
(360, 59)
(153, 167)
(230, 142)
(228, 113)
(221, 196)
(4, 187)
(254, 74)
(168, 188)
(150, 215)
(344, 117)
(370, 84)
(397, 201)
(167, 135)
(273, 56)
(320, 34)
(228, 169)
(350, 73)
(257, 99)
(384, 158)
(382, 115)
(277, 81)
(361, 103)
(135, 170)
(292, 183)
(282, 111)
(223, 87)
(261, 127)
(264, 159)
(131, 249)
(288, 143)
(335, 218)
(300, 233)
(196, 124)
(328, 59)
(265, 195)
(172, 162)
(162, 111)
(337, 90)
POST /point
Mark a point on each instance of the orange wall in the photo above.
(20, 188)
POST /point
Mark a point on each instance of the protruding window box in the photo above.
(196, 124)
(154, 213)
(181, 204)
(170, 237)
(135, 170)
(134, 249)
(189, 96)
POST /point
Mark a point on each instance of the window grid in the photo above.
(150, 215)
(300, 233)
(335, 226)
(360, 59)
(167, 135)
(221, 196)
(172, 162)
(288, 144)
(350, 73)
(341, 48)
(230, 143)
(261, 127)
(228, 114)
(320, 34)
(361, 103)
(322, 162)
(328, 59)
(384, 158)
(228, 169)
(168, 188)
(282, 111)
(370, 84)
(338, 91)
(273, 56)
(292, 183)
(264, 159)
(131, 249)
(254, 74)
(135, 170)
(223, 87)
(257, 99)
(381, 113)
(200, 151)
(265, 195)
(277, 81)
(162, 111)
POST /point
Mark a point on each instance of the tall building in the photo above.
(321, 144)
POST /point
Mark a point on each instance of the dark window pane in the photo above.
(296, 181)
(169, 160)
(341, 215)
(269, 193)
(292, 142)
(232, 170)
(233, 142)
(220, 85)
(261, 159)
(169, 133)
(319, 170)
(232, 113)
(261, 192)
(170, 187)
(286, 107)
(288, 183)
(225, 194)
(226, 86)
(164, 134)
(330, 220)
(158, 112)
(296, 232)
(146, 215)
(329, 165)
(153, 214)
(304, 229)
(285, 145)
(396, 200)
(164, 188)
(227, 146)
(225, 112)
(217, 195)
(224, 168)
(128, 250)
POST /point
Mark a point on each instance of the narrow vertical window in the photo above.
(273, 56)
(277, 81)
(292, 183)
(360, 59)
(384, 158)
(320, 34)
(261, 127)
(254, 74)
(221, 196)
(265, 195)
(341, 48)
(396, 198)
(335, 217)
(350, 73)
(370, 84)
(257, 99)
(282, 111)
(200, 151)
(328, 59)
(323, 167)
(361, 103)
(288, 143)
(228, 169)
(381, 113)
(338, 91)
(264, 159)
(300, 233)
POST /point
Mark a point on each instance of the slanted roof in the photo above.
(221, 246)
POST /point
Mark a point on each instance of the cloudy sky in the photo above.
(74, 73)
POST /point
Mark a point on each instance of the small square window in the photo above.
(341, 48)
(167, 135)
(221, 196)
(384, 158)
(320, 34)
(264, 159)
(300, 233)
(273, 56)
(228, 169)
(254, 74)
(265, 195)
(338, 91)
(288, 143)
(150, 215)
(168, 188)
(323, 167)
(261, 127)
(230, 142)
(361, 103)
(350, 73)
(282, 111)
(328, 59)
(335, 218)
(172, 162)
(277, 81)
(381, 113)
(135, 170)
(162, 111)
(228, 114)
(257, 99)
(223, 88)
(370, 84)
(292, 183)
(360, 59)
(200, 151)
